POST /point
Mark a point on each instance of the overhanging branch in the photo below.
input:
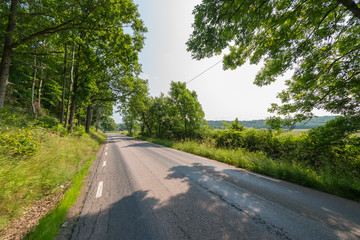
(351, 6)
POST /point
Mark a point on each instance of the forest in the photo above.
(68, 59)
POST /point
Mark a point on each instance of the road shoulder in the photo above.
(73, 214)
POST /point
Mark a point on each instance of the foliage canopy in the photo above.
(74, 53)
(318, 39)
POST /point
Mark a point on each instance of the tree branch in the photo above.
(351, 6)
(37, 54)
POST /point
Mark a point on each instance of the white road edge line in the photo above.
(271, 179)
(99, 190)
(104, 163)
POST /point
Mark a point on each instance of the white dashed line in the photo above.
(99, 190)
(105, 153)
(104, 163)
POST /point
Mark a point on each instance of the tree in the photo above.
(160, 115)
(236, 126)
(319, 39)
(93, 31)
(185, 106)
(133, 102)
(102, 19)
(107, 124)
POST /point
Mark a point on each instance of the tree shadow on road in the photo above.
(193, 214)
(198, 213)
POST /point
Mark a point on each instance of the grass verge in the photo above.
(48, 226)
(325, 180)
(26, 179)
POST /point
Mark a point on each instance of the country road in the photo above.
(146, 191)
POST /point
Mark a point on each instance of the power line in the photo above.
(204, 71)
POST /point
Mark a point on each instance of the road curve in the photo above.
(146, 191)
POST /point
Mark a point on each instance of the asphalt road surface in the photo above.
(146, 191)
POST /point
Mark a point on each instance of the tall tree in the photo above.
(186, 106)
(7, 49)
(40, 19)
(133, 102)
(64, 86)
(319, 39)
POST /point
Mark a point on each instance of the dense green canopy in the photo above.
(178, 115)
(319, 40)
(74, 53)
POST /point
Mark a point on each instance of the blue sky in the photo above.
(224, 95)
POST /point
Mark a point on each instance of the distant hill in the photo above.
(258, 124)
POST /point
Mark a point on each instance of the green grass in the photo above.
(295, 132)
(325, 180)
(27, 178)
(48, 226)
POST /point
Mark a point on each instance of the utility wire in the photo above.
(204, 71)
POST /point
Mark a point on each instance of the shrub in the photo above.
(13, 117)
(332, 144)
(60, 129)
(19, 142)
(204, 133)
(47, 121)
(79, 130)
(229, 138)
(256, 140)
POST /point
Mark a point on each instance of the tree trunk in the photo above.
(73, 105)
(64, 88)
(7, 49)
(146, 123)
(33, 90)
(39, 89)
(131, 127)
(142, 129)
(73, 98)
(72, 114)
(70, 86)
(98, 113)
(185, 128)
(351, 6)
(89, 115)
(79, 122)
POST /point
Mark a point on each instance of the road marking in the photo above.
(105, 153)
(271, 179)
(107, 148)
(99, 190)
(104, 163)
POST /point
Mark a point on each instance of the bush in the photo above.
(79, 130)
(19, 142)
(251, 139)
(256, 140)
(13, 117)
(60, 129)
(205, 133)
(47, 121)
(332, 144)
(229, 138)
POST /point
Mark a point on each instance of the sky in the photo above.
(223, 95)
